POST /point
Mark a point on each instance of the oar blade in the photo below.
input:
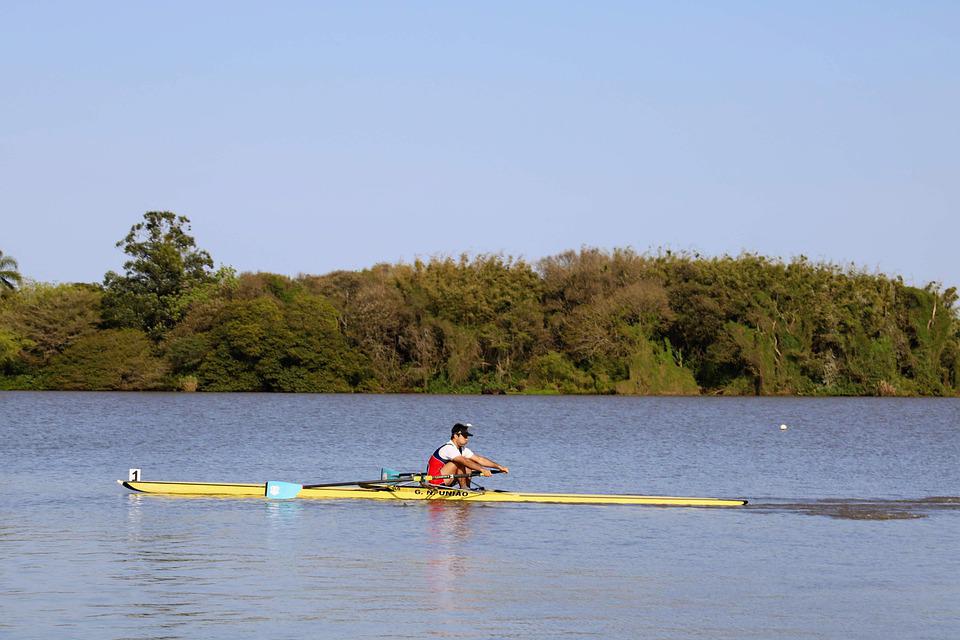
(391, 474)
(278, 490)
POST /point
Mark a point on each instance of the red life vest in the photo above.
(435, 464)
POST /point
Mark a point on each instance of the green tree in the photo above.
(553, 372)
(373, 315)
(479, 318)
(110, 360)
(275, 336)
(46, 319)
(165, 266)
(611, 326)
(10, 277)
(11, 346)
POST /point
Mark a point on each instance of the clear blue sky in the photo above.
(304, 137)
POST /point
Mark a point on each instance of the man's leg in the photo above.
(452, 468)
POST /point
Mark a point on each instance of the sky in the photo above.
(308, 137)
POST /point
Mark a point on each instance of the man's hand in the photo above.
(485, 473)
(504, 469)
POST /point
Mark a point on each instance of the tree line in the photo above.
(581, 322)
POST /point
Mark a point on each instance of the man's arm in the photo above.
(471, 463)
(482, 463)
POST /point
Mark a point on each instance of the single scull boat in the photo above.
(392, 490)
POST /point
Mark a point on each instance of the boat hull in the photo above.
(405, 493)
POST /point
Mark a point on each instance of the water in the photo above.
(853, 529)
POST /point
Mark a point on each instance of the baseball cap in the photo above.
(461, 428)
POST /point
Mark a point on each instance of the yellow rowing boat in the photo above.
(404, 492)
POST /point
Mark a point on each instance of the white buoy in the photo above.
(783, 427)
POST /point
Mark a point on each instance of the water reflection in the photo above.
(282, 511)
(134, 512)
(447, 565)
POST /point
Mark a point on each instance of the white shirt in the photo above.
(450, 451)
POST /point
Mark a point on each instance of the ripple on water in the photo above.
(859, 509)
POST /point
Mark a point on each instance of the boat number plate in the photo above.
(133, 475)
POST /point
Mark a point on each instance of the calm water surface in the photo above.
(853, 530)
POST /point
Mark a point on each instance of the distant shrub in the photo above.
(654, 370)
(554, 372)
(110, 360)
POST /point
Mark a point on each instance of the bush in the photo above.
(110, 360)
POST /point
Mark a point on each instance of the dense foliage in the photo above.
(584, 321)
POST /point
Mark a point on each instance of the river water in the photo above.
(853, 527)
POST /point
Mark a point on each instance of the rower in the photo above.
(454, 458)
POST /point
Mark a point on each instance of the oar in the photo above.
(285, 490)
(279, 490)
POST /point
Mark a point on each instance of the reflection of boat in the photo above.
(412, 491)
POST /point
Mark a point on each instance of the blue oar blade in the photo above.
(389, 474)
(282, 490)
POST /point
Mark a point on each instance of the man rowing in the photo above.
(454, 458)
